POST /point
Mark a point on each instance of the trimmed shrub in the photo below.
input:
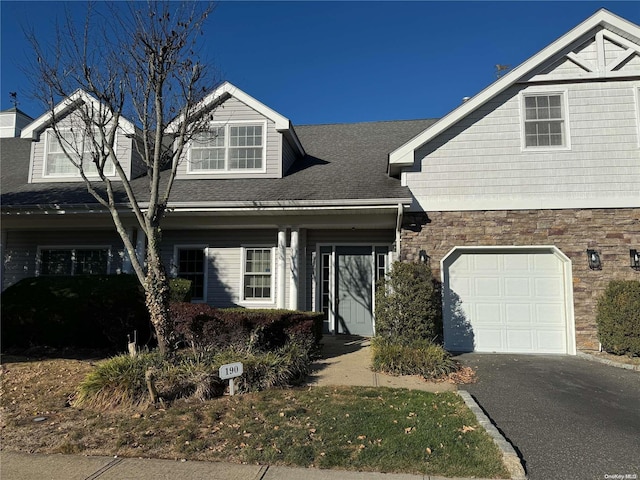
(179, 290)
(422, 358)
(618, 318)
(205, 327)
(96, 311)
(409, 305)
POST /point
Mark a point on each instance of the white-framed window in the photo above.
(79, 147)
(233, 147)
(191, 264)
(545, 123)
(95, 260)
(257, 273)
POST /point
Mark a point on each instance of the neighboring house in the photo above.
(503, 196)
(515, 186)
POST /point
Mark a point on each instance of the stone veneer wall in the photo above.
(612, 232)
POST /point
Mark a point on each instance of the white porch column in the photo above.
(294, 279)
(126, 260)
(141, 247)
(281, 270)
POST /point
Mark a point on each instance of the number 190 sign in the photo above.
(230, 371)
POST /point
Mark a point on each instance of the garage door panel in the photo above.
(517, 262)
(489, 338)
(487, 287)
(553, 341)
(518, 314)
(487, 313)
(549, 287)
(512, 301)
(520, 340)
(517, 287)
(549, 314)
(486, 263)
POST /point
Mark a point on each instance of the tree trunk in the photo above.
(157, 300)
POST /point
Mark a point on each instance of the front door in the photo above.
(354, 290)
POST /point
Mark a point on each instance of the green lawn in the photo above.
(353, 428)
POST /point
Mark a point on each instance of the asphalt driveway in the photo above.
(567, 417)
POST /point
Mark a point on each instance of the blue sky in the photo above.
(333, 62)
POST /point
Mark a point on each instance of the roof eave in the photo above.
(403, 156)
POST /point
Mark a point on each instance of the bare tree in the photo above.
(131, 71)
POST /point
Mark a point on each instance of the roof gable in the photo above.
(227, 90)
(603, 25)
(66, 106)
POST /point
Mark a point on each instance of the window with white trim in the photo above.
(232, 147)
(74, 261)
(191, 266)
(79, 147)
(256, 275)
(544, 121)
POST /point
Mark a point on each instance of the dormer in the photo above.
(242, 138)
(49, 152)
(12, 122)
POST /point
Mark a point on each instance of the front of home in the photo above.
(503, 196)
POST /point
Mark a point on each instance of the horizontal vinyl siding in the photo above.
(123, 150)
(21, 250)
(482, 158)
(234, 110)
(224, 260)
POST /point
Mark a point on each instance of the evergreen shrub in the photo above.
(618, 318)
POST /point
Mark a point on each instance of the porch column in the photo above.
(141, 247)
(295, 270)
(126, 260)
(281, 273)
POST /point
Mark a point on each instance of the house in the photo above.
(300, 218)
(526, 198)
(503, 196)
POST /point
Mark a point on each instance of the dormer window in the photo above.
(78, 147)
(230, 147)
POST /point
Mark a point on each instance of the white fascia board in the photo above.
(403, 155)
(282, 123)
(67, 105)
(293, 204)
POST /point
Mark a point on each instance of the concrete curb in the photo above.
(509, 455)
(606, 361)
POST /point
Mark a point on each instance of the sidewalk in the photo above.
(345, 361)
(22, 466)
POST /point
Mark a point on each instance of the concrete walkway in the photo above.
(345, 361)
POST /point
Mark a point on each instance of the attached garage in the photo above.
(508, 300)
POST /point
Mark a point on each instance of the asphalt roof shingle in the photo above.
(343, 162)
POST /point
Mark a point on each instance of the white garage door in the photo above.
(505, 301)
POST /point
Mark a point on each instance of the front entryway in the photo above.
(347, 277)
